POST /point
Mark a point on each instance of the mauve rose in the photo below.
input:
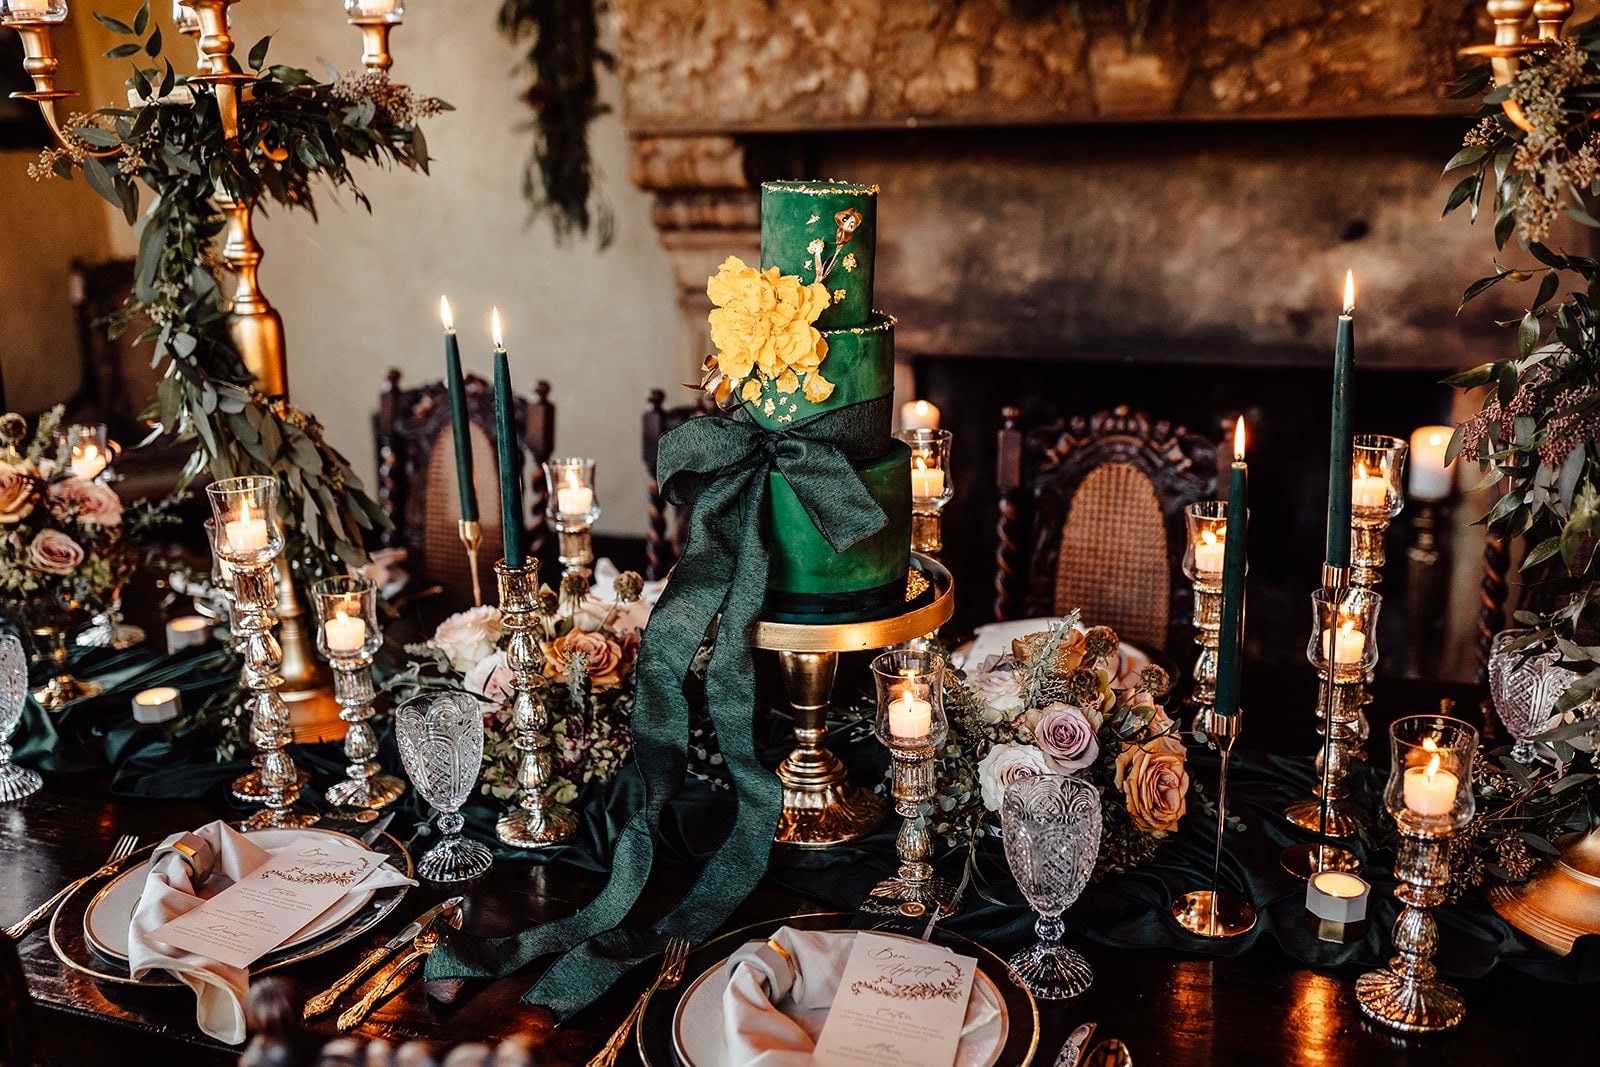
(998, 692)
(90, 503)
(1067, 738)
(55, 553)
(17, 483)
(490, 678)
(1155, 784)
(1003, 765)
(468, 636)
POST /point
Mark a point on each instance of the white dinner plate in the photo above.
(697, 1031)
(105, 924)
(994, 639)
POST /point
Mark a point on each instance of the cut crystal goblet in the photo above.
(441, 744)
(1051, 825)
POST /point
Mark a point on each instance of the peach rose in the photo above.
(89, 503)
(17, 481)
(607, 661)
(1155, 784)
(1068, 656)
(55, 553)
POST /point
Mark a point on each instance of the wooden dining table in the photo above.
(1170, 1008)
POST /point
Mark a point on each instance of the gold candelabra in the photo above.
(1510, 45)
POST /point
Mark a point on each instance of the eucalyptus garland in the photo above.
(294, 131)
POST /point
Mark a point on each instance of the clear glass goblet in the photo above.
(441, 744)
(1051, 825)
(1524, 686)
(15, 782)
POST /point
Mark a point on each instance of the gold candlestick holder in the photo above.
(536, 821)
(347, 609)
(250, 539)
(471, 533)
(911, 723)
(1214, 912)
(1430, 796)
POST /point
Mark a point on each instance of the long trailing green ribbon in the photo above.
(718, 466)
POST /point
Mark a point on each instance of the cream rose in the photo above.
(55, 553)
(1005, 764)
(999, 694)
(469, 636)
(17, 483)
(1155, 784)
(89, 503)
(1066, 737)
(490, 678)
(606, 659)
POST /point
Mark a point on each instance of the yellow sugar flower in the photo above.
(763, 321)
(818, 388)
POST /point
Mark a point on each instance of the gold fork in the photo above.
(670, 975)
(124, 848)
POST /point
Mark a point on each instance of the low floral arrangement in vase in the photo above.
(1049, 707)
(589, 644)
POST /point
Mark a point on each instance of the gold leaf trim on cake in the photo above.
(833, 188)
(916, 585)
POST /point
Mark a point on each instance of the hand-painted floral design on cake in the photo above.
(763, 324)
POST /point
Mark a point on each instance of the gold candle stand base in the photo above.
(1214, 913)
(249, 788)
(64, 689)
(820, 807)
(1345, 818)
(1407, 996)
(1561, 902)
(1303, 861)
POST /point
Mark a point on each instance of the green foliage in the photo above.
(294, 133)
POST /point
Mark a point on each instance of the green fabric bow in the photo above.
(720, 467)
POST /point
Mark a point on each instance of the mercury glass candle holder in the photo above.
(349, 637)
(911, 724)
(1429, 793)
(1343, 649)
(1207, 534)
(536, 821)
(931, 486)
(249, 539)
(575, 506)
(1376, 497)
(34, 11)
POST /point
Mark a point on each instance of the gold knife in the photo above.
(391, 977)
(327, 998)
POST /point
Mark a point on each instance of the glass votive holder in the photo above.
(245, 508)
(1430, 776)
(1377, 472)
(1207, 525)
(375, 10)
(910, 684)
(1344, 629)
(931, 485)
(85, 449)
(570, 480)
(347, 617)
(35, 11)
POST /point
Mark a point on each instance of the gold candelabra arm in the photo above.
(39, 63)
(1505, 54)
(375, 42)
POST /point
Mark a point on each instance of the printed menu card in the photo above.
(269, 905)
(901, 1003)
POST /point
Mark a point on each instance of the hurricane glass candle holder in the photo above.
(1377, 494)
(1206, 523)
(911, 724)
(348, 636)
(1429, 793)
(85, 449)
(931, 485)
(570, 481)
(249, 539)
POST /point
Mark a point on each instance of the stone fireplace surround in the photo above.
(1071, 224)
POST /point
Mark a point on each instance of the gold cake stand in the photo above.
(820, 806)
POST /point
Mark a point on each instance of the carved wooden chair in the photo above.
(663, 535)
(1091, 517)
(417, 475)
(17, 1027)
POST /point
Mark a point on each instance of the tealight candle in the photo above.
(1370, 491)
(187, 631)
(574, 498)
(345, 633)
(919, 415)
(1429, 790)
(247, 533)
(1348, 646)
(1428, 478)
(1208, 553)
(87, 462)
(1337, 896)
(162, 704)
(910, 717)
(926, 482)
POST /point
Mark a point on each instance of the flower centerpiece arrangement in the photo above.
(1050, 706)
(589, 645)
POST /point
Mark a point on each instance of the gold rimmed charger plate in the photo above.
(71, 945)
(654, 1035)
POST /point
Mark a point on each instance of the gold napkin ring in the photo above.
(190, 855)
(794, 975)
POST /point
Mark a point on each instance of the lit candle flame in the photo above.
(444, 313)
(1346, 627)
(1349, 291)
(494, 321)
(1429, 745)
(1436, 439)
(340, 616)
(573, 482)
(903, 701)
(244, 513)
(89, 452)
(1238, 440)
(1433, 767)
(922, 464)
(921, 408)
(1208, 537)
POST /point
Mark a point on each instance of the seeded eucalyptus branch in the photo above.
(294, 132)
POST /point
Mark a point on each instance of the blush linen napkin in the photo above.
(773, 1012)
(222, 855)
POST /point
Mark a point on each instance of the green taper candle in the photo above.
(506, 431)
(1339, 443)
(459, 431)
(1230, 636)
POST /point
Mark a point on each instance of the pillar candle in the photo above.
(1429, 790)
(926, 482)
(505, 430)
(1370, 491)
(574, 498)
(1337, 552)
(919, 415)
(1348, 645)
(1230, 636)
(1428, 478)
(1208, 553)
(247, 533)
(460, 429)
